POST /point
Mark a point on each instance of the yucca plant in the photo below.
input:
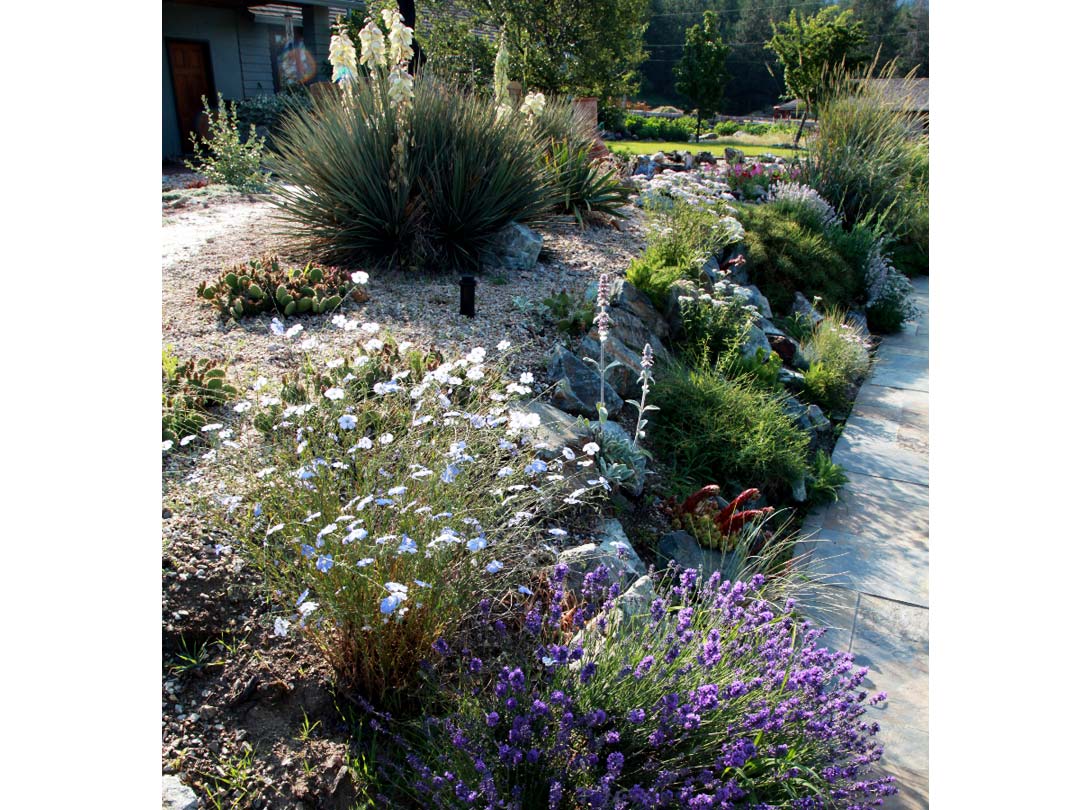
(360, 178)
(583, 187)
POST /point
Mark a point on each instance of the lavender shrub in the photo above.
(707, 697)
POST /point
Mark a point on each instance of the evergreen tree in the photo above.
(701, 75)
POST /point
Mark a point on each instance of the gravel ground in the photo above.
(236, 699)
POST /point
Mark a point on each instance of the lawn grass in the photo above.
(716, 147)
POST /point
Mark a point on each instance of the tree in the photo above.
(566, 46)
(701, 74)
(807, 45)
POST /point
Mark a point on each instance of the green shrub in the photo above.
(712, 327)
(225, 157)
(391, 497)
(429, 183)
(711, 429)
(825, 480)
(652, 276)
(839, 359)
(869, 158)
(785, 256)
(661, 129)
(188, 390)
(267, 110)
(264, 285)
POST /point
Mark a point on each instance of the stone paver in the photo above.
(873, 549)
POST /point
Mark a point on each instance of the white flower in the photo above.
(401, 37)
(166, 446)
(372, 46)
(526, 378)
(212, 427)
(343, 57)
(476, 355)
(370, 328)
(591, 449)
(475, 373)
(259, 383)
(359, 277)
(373, 345)
(346, 421)
(400, 88)
(386, 438)
(309, 344)
(294, 330)
(281, 627)
(277, 327)
(334, 393)
(533, 104)
(337, 362)
(503, 345)
(307, 609)
(523, 420)
(364, 444)
(240, 407)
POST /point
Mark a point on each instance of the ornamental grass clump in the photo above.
(414, 171)
(839, 356)
(392, 492)
(700, 694)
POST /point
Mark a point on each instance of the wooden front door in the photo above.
(191, 79)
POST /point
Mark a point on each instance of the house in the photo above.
(239, 49)
(789, 109)
(908, 95)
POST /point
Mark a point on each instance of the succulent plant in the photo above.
(245, 289)
(188, 390)
(713, 526)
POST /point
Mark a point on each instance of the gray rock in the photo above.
(624, 377)
(680, 289)
(804, 307)
(175, 795)
(766, 157)
(755, 340)
(792, 379)
(578, 387)
(556, 431)
(818, 420)
(708, 136)
(798, 489)
(517, 247)
(683, 550)
(613, 551)
(732, 155)
(625, 296)
(759, 301)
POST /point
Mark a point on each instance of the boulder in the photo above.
(783, 346)
(802, 306)
(755, 340)
(798, 489)
(630, 329)
(578, 388)
(612, 550)
(175, 795)
(733, 155)
(624, 377)
(708, 136)
(811, 419)
(517, 247)
(556, 431)
(681, 288)
(792, 380)
(682, 549)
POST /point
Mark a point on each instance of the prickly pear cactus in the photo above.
(265, 285)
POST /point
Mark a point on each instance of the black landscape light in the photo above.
(468, 296)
